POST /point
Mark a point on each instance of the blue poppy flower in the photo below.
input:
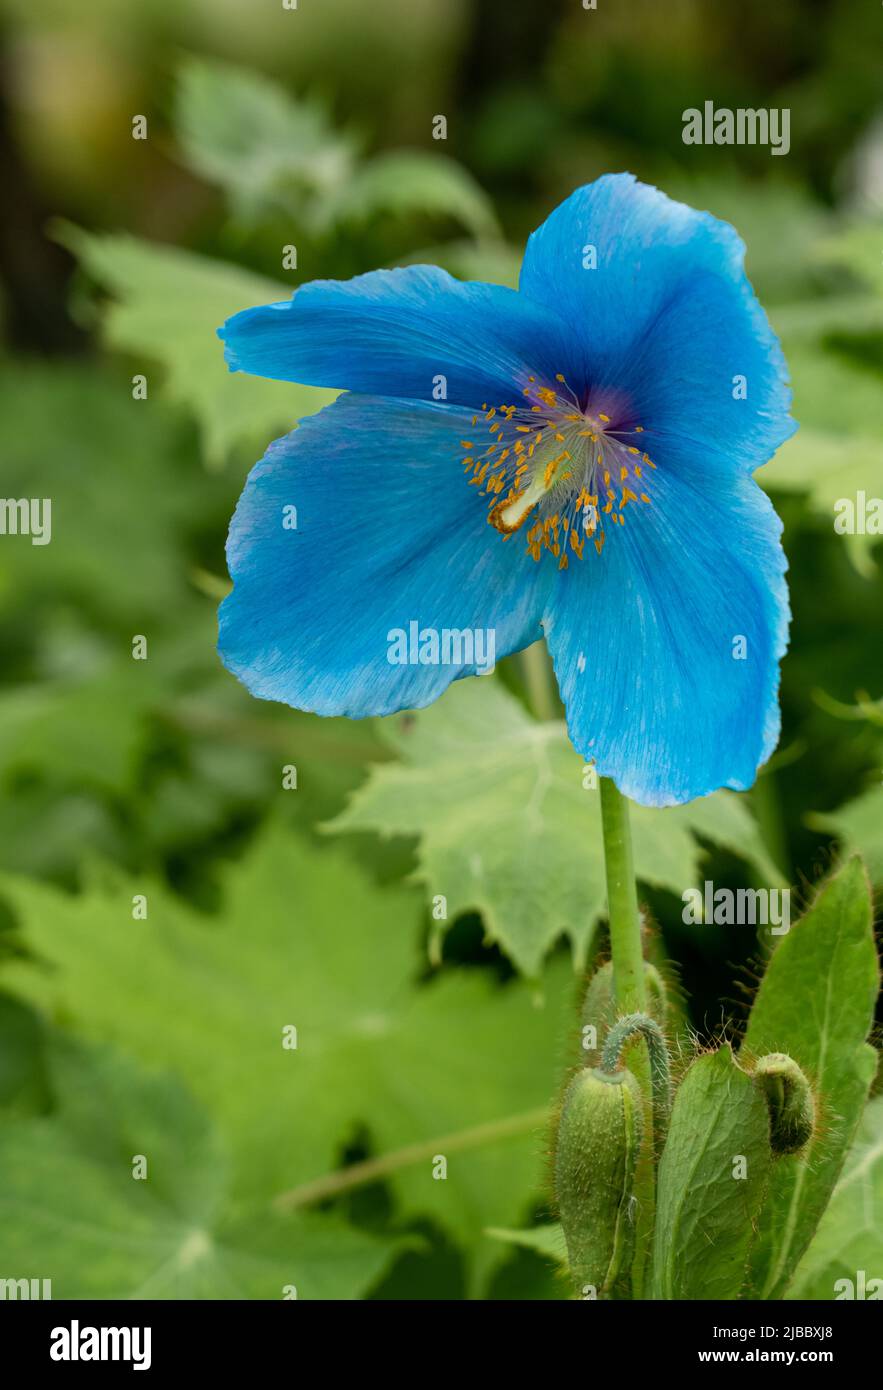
(573, 458)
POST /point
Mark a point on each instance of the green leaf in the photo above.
(48, 832)
(829, 472)
(816, 1003)
(305, 940)
(23, 1079)
(857, 247)
(268, 150)
(90, 726)
(859, 826)
(168, 306)
(544, 1240)
(507, 828)
(72, 1211)
(712, 1176)
(832, 394)
(124, 490)
(90, 731)
(856, 312)
(853, 314)
(274, 153)
(850, 1234)
(412, 181)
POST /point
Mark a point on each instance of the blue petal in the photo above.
(389, 533)
(668, 321)
(396, 332)
(645, 641)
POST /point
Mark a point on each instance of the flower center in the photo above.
(565, 467)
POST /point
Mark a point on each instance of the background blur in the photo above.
(161, 780)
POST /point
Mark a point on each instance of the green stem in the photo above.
(768, 813)
(642, 1025)
(539, 680)
(630, 996)
(622, 902)
(374, 1169)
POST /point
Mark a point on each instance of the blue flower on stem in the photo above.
(572, 459)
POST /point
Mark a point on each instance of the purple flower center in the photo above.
(565, 466)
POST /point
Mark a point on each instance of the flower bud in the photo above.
(599, 1136)
(599, 1008)
(790, 1100)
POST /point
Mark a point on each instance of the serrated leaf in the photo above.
(274, 152)
(168, 306)
(71, 1210)
(305, 940)
(269, 150)
(707, 1200)
(507, 828)
(816, 1003)
(849, 1242)
(412, 181)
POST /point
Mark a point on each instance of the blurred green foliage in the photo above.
(313, 128)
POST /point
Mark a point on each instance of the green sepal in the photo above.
(599, 1137)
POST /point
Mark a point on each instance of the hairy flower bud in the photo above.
(599, 1007)
(599, 1136)
(790, 1100)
